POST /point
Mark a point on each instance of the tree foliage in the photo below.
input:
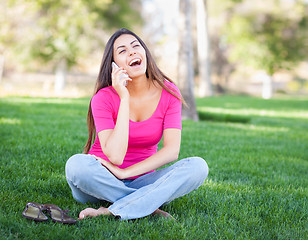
(54, 30)
(271, 39)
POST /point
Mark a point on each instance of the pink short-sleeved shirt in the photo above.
(144, 136)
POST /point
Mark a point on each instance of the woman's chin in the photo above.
(137, 75)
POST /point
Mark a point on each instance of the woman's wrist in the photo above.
(124, 97)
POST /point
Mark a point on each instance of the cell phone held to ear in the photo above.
(123, 75)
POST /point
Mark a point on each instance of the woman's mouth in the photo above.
(135, 62)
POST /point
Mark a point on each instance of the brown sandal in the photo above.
(34, 211)
(59, 215)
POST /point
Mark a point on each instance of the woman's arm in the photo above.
(168, 153)
(114, 142)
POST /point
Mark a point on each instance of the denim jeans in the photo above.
(133, 198)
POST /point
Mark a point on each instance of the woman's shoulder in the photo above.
(106, 90)
(105, 94)
(171, 85)
(173, 88)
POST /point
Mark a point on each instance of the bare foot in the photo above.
(162, 213)
(91, 212)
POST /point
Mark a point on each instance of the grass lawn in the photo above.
(257, 151)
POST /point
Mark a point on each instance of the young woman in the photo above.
(128, 115)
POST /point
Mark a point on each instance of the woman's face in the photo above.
(129, 54)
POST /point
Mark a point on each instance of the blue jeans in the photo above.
(133, 198)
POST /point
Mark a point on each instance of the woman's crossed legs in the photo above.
(92, 182)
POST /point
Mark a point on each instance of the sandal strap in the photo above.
(36, 205)
(50, 206)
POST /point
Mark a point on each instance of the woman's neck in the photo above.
(139, 86)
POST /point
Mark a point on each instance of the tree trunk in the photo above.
(267, 88)
(205, 86)
(1, 66)
(185, 61)
(60, 76)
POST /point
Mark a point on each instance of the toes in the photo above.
(81, 216)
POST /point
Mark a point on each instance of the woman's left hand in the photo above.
(116, 171)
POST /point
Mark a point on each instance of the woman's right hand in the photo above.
(119, 77)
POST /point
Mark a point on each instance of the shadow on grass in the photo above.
(220, 117)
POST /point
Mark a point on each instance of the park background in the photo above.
(242, 67)
(240, 44)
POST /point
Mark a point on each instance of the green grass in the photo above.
(256, 189)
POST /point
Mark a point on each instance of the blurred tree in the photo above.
(269, 39)
(60, 32)
(185, 62)
(6, 36)
(203, 45)
(221, 67)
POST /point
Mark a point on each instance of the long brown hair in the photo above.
(104, 77)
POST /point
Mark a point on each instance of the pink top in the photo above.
(143, 136)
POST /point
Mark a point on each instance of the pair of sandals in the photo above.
(34, 211)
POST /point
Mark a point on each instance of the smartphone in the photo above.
(123, 75)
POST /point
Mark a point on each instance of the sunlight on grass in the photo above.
(47, 100)
(10, 121)
(256, 112)
(258, 128)
(225, 186)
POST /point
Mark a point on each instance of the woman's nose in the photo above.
(132, 52)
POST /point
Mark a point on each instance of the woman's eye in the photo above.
(122, 51)
(137, 45)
